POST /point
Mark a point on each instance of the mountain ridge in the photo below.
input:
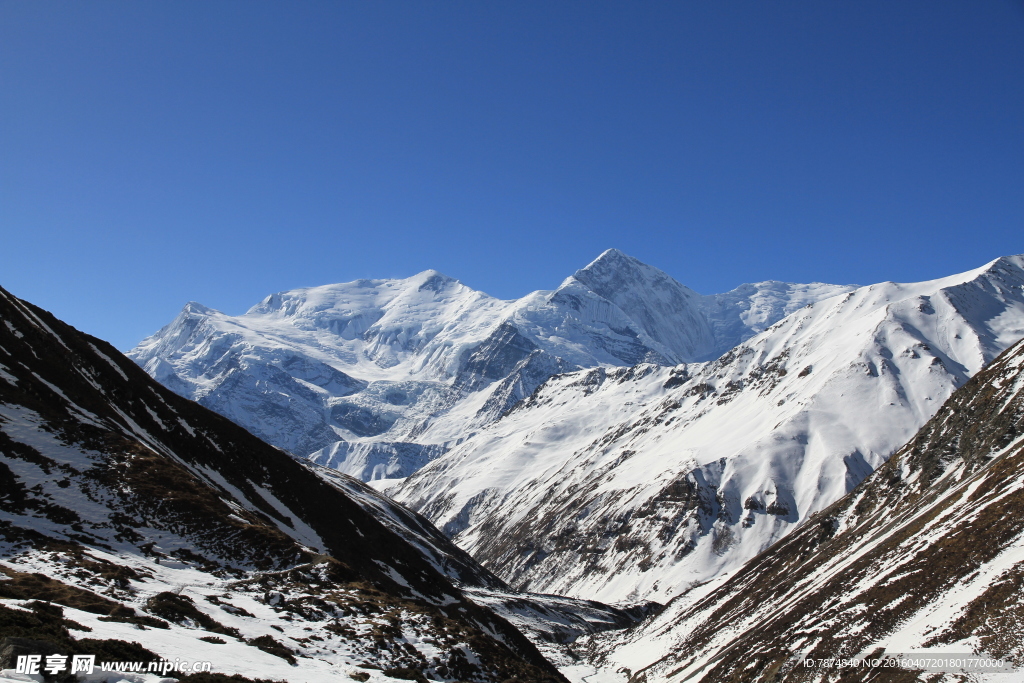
(619, 483)
(923, 558)
(395, 372)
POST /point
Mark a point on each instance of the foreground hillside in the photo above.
(137, 515)
(927, 556)
(642, 482)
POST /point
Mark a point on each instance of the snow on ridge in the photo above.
(916, 560)
(426, 360)
(644, 486)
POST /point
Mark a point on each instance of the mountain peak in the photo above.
(611, 255)
(430, 273)
(433, 280)
(614, 271)
(660, 307)
(1014, 261)
(611, 260)
(196, 308)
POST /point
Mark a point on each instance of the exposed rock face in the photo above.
(427, 361)
(928, 552)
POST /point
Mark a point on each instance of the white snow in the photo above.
(788, 421)
(340, 372)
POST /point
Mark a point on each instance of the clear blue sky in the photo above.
(153, 153)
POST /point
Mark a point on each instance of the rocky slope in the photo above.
(926, 557)
(376, 378)
(642, 482)
(135, 509)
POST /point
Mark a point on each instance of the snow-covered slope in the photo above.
(641, 482)
(926, 558)
(738, 315)
(377, 377)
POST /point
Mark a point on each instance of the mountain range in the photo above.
(617, 483)
(455, 487)
(621, 438)
(376, 378)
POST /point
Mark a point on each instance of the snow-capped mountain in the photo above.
(924, 559)
(376, 378)
(126, 507)
(620, 483)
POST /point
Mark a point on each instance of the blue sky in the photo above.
(154, 153)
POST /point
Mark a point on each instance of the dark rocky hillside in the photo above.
(133, 508)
